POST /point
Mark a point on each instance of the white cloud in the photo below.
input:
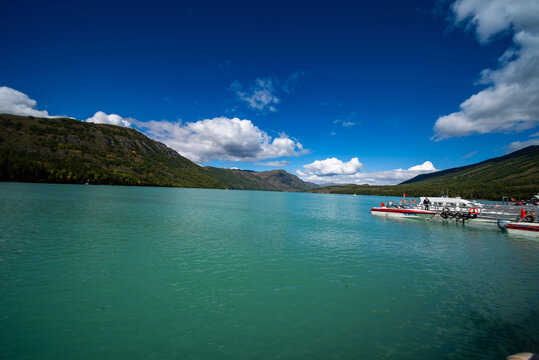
(17, 103)
(493, 16)
(344, 123)
(262, 96)
(426, 166)
(348, 121)
(221, 138)
(265, 94)
(321, 173)
(101, 118)
(274, 163)
(510, 103)
(517, 145)
(330, 167)
(211, 139)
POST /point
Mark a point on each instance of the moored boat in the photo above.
(523, 228)
(447, 209)
(526, 226)
(435, 208)
(402, 211)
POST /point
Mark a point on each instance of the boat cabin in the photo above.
(453, 204)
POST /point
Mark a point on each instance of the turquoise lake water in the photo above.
(105, 272)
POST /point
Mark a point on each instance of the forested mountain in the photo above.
(520, 167)
(70, 151)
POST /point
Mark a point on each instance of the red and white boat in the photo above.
(429, 210)
(527, 226)
(402, 211)
(462, 211)
(523, 228)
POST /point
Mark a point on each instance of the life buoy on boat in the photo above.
(474, 211)
(413, 201)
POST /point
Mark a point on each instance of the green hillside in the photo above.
(285, 181)
(71, 151)
(275, 180)
(520, 167)
(239, 179)
(514, 175)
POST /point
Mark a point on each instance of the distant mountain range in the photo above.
(274, 180)
(59, 150)
(514, 175)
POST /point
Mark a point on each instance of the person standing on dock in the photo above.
(426, 203)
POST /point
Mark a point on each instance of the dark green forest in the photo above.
(69, 151)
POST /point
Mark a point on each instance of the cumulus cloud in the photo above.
(221, 138)
(17, 103)
(265, 94)
(426, 166)
(210, 139)
(510, 102)
(330, 167)
(274, 163)
(334, 171)
(102, 118)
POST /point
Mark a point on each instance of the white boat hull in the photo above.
(523, 229)
(403, 213)
(413, 213)
(477, 221)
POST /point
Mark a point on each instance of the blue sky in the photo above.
(334, 92)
